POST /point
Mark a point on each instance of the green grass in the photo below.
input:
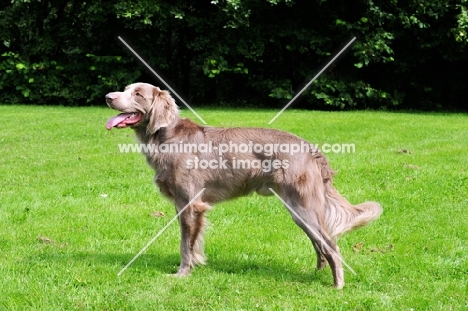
(74, 211)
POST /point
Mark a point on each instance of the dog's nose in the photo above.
(110, 97)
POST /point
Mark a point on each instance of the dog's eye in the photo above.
(138, 94)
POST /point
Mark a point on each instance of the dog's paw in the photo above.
(339, 285)
(177, 275)
(183, 271)
(321, 264)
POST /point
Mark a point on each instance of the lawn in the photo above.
(74, 211)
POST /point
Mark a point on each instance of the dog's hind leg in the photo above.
(332, 253)
(309, 220)
(327, 250)
(321, 260)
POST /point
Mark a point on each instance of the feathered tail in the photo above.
(341, 216)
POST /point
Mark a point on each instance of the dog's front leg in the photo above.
(185, 247)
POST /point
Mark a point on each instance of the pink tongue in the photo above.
(116, 120)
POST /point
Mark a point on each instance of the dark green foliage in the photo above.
(408, 55)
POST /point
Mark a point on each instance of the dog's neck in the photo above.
(177, 130)
(146, 136)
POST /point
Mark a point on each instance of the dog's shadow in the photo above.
(279, 271)
(166, 264)
(230, 265)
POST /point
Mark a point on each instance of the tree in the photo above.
(243, 52)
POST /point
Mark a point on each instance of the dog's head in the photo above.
(143, 106)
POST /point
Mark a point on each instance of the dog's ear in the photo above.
(163, 110)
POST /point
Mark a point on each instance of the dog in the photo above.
(236, 162)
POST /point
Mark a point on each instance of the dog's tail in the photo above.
(340, 216)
